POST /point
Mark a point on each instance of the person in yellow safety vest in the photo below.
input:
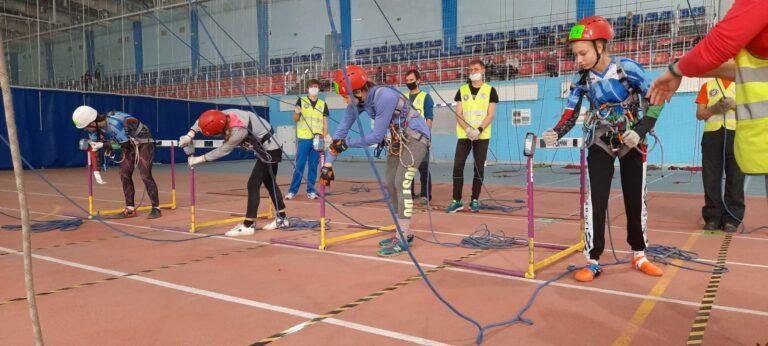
(475, 109)
(423, 103)
(311, 117)
(717, 157)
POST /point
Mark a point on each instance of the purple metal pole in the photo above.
(322, 189)
(530, 199)
(192, 186)
(173, 167)
(91, 163)
(583, 180)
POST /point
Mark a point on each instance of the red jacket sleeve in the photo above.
(740, 26)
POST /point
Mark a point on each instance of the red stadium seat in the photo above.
(660, 58)
(525, 69)
(539, 67)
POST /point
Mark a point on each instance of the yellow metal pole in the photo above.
(531, 273)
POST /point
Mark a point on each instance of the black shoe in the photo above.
(712, 226)
(154, 214)
(730, 228)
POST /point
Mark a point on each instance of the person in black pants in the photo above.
(722, 209)
(475, 109)
(243, 129)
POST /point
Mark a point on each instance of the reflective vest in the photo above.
(311, 121)
(474, 109)
(418, 102)
(715, 122)
(751, 142)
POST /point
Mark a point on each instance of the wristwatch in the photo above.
(671, 68)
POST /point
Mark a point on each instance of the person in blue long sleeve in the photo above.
(135, 140)
(408, 137)
(618, 121)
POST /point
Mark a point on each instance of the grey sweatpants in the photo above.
(400, 178)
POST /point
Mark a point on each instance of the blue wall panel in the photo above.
(54, 141)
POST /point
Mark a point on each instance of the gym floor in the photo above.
(102, 287)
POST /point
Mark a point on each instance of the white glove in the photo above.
(631, 138)
(193, 160)
(97, 176)
(185, 140)
(96, 145)
(297, 109)
(327, 140)
(549, 137)
(472, 133)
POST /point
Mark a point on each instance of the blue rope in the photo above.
(47, 225)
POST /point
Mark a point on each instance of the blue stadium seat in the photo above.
(666, 16)
(423, 55)
(477, 38)
(685, 13)
(305, 58)
(534, 31)
(637, 18)
(524, 43)
(544, 29)
(468, 39)
(376, 50)
(511, 34)
(651, 16)
(317, 56)
(434, 53)
(419, 45)
(522, 32)
(499, 36)
(698, 11)
(437, 43)
(488, 36)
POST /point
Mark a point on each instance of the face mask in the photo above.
(314, 91)
(476, 77)
(411, 86)
(359, 100)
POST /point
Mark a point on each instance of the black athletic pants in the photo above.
(712, 175)
(479, 149)
(600, 173)
(265, 174)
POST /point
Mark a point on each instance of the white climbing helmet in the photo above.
(83, 116)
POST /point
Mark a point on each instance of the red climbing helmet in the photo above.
(357, 77)
(212, 122)
(590, 29)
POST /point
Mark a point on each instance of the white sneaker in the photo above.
(312, 195)
(240, 230)
(290, 196)
(275, 224)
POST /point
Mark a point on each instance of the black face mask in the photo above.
(411, 86)
(359, 100)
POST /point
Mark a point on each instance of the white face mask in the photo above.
(314, 91)
(476, 77)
